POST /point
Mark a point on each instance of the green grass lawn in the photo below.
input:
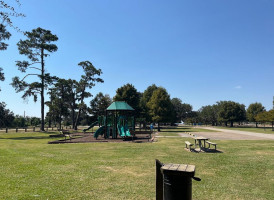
(267, 130)
(33, 169)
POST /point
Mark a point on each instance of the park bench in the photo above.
(211, 143)
(188, 144)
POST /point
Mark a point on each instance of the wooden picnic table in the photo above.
(200, 140)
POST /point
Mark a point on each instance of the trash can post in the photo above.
(159, 181)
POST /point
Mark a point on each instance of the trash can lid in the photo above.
(178, 169)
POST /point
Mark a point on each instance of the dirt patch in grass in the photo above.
(88, 138)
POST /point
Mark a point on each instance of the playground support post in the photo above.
(106, 124)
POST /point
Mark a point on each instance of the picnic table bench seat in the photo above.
(211, 143)
(188, 144)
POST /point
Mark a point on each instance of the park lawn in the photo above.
(267, 130)
(33, 169)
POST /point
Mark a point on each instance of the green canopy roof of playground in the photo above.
(119, 105)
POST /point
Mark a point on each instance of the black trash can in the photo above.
(177, 181)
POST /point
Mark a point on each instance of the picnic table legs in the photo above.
(200, 144)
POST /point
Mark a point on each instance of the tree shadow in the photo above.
(26, 138)
(205, 151)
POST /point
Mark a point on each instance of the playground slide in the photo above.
(127, 131)
(123, 131)
(91, 126)
(100, 131)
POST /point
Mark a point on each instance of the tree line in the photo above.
(67, 97)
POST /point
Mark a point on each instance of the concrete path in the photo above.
(225, 134)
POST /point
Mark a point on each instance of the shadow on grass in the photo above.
(26, 138)
(206, 151)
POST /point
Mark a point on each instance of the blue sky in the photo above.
(200, 51)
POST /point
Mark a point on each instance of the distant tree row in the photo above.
(229, 112)
(8, 119)
(152, 105)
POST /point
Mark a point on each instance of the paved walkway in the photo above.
(224, 134)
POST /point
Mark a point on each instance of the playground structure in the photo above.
(117, 125)
(119, 121)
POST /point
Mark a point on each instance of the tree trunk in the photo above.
(159, 127)
(60, 122)
(73, 118)
(256, 124)
(272, 126)
(231, 124)
(42, 92)
(50, 121)
(225, 123)
(76, 120)
(80, 109)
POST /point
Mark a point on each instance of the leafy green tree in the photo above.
(265, 116)
(253, 110)
(262, 117)
(177, 107)
(19, 121)
(209, 114)
(145, 98)
(99, 104)
(182, 110)
(2, 76)
(6, 116)
(271, 117)
(72, 99)
(230, 111)
(160, 106)
(58, 106)
(35, 121)
(37, 47)
(129, 94)
(6, 12)
(4, 35)
(193, 117)
(87, 81)
(186, 110)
